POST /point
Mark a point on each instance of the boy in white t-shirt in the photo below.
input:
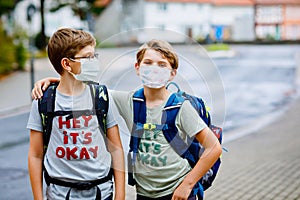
(81, 158)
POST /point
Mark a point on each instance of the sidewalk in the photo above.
(263, 165)
(15, 89)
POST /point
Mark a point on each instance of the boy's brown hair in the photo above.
(161, 46)
(66, 43)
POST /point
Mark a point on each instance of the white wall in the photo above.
(178, 17)
(201, 18)
(239, 19)
(109, 22)
(226, 15)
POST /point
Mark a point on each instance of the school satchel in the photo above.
(192, 150)
(46, 107)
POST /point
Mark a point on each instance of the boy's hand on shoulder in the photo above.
(40, 86)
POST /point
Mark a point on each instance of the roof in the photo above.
(278, 2)
(214, 2)
(101, 3)
(233, 2)
(180, 1)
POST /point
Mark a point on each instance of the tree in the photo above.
(82, 8)
(43, 38)
(85, 9)
(7, 6)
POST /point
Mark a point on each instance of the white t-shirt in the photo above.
(76, 150)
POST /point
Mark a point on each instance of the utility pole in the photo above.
(30, 12)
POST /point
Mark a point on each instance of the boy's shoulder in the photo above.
(121, 97)
(120, 93)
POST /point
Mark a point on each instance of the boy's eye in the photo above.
(147, 62)
(162, 65)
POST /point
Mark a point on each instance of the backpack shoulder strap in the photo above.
(139, 106)
(101, 103)
(170, 112)
(139, 117)
(46, 107)
(185, 150)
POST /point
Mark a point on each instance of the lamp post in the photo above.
(30, 12)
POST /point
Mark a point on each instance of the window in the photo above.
(162, 6)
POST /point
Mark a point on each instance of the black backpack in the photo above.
(46, 107)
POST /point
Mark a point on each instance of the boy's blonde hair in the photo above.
(66, 43)
(161, 46)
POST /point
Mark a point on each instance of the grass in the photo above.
(217, 47)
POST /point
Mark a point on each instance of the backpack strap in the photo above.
(86, 185)
(139, 106)
(170, 112)
(100, 104)
(185, 150)
(46, 106)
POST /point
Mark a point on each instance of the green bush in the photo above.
(13, 56)
(21, 56)
(21, 53)
(7, 53)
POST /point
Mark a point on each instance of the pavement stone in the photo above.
(264, 164)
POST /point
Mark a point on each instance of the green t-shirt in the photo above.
(159, 169)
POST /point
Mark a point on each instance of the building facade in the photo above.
(277, 19)
(196, 19)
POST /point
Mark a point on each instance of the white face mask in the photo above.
(90, 70)
(154, 76)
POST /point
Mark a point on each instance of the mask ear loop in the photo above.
(69, 68)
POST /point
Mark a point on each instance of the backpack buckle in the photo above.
(83, 185)
(149, 126)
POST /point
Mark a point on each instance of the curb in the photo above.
(9, 112)
(221, 54)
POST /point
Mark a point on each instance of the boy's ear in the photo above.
(66, 64)
(173, 74)
(137, 67)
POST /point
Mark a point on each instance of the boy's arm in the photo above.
(41, 85)
(210, 155)
(35, 161)
(116, 150)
